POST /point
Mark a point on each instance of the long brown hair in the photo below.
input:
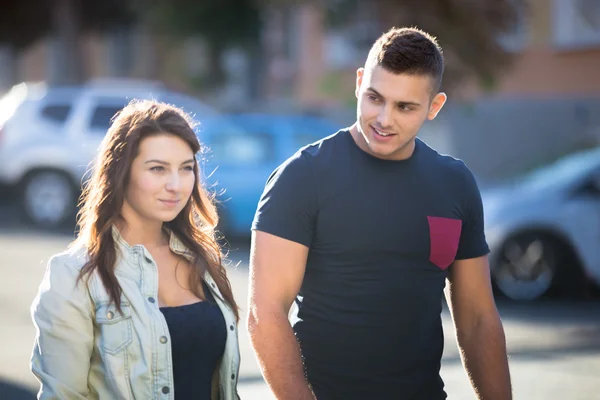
(103, 197)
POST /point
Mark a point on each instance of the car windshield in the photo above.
(11, 102)
(563, 170)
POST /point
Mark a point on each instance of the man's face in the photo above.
(391, 109)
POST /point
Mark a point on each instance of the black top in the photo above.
(381, 235)
(198, 335)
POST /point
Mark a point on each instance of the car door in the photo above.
(241, 155)
(90, 124)
(584, 213)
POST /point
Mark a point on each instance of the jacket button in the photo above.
(231, 327)
(213, 285)
(151, 299)
(163, 339)
(165, 390)
(232, 376)
(110, 315)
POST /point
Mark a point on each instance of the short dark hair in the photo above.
(408, 51)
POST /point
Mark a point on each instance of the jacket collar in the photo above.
(176, 246)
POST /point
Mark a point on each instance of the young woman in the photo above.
(140, 307)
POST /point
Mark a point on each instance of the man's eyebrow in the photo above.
(191, 160)
(400, 103)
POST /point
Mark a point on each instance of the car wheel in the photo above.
(48, 198)
(526, 267)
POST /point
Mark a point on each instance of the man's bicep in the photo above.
(472, 242)
(288, 205)
(277, 267)
(469, 287)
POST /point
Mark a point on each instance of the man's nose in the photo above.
(384, 119)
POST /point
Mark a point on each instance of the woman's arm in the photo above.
(62, 315)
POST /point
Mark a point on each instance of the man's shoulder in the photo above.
(324, 147)
(307, 156)
(445, 162)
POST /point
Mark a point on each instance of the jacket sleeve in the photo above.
(63, 318)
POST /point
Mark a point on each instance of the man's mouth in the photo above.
(383, 133)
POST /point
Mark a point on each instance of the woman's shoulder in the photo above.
(69, 262)
(61, 288)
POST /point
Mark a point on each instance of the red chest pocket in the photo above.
(444, 235)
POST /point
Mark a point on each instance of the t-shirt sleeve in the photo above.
(472, 239)
(288, 205)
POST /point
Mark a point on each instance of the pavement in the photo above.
(554, 345)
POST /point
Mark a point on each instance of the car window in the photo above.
(565, 169)
(236, 148)
(308, 130)
(57, 113)
(10, 103)
(102, 116)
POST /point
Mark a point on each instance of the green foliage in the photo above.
(468, 31)
(222, 22)
(22, 22)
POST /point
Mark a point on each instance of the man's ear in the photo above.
(359, 77)
(436, 105)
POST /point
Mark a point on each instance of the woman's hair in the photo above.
(103, 196)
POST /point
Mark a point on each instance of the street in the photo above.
(554, 345)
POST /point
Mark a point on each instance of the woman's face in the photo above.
(161, 180)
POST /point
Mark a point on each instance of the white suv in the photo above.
(49, 136)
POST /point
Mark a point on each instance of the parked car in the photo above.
(49, 136)
(244, 149)
(544, 228)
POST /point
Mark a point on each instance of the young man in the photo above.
(362, 229)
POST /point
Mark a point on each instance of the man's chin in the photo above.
(381, 151)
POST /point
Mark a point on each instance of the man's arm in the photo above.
(478, 328)
(276, 272)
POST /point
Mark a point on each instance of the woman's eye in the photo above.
(157, 168)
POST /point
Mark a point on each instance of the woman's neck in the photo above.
(148, 234)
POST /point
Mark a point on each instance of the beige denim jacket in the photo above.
(85, 349)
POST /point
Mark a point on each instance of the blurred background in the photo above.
(264, 77)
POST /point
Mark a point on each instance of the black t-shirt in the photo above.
(381, 236)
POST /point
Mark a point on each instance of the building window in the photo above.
(576, 23)
(517, 39)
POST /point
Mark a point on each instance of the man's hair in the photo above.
(408, 51)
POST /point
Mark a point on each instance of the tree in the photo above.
(221, 23)
(23, 22)
(468, 30)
